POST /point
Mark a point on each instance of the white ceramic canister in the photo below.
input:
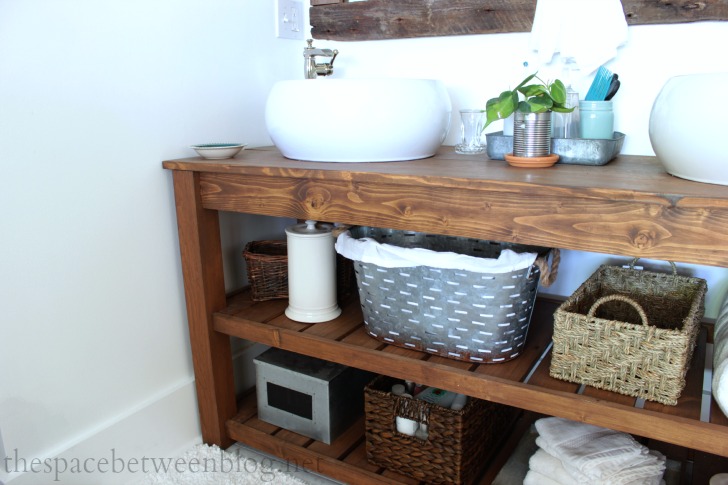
(311, 273)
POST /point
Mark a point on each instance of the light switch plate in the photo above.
(289, 19)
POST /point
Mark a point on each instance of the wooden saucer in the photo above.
(531, 162)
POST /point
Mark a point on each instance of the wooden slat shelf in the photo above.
(344, 340)
(345, 458)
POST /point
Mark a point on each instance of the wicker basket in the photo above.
(458, 442)
(461, 315)
(629, 331)
(267, 268)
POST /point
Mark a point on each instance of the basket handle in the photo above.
(674, 267)
(623, 298)
(548, 274)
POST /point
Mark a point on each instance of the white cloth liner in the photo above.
(720, 358)
(590, 31)
(594, 455)
(368, 250)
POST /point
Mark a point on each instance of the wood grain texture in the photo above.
(646, 225)
(199, 239)
(640, 12)
(630, 206)
(388, 19)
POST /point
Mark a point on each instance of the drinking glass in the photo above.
(471, 127)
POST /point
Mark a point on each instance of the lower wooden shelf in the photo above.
(695, 423)
(345, 458)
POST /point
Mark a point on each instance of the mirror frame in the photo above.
(399, 19)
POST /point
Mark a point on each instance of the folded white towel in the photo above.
(590, 32)
(546, 464)
(370, 251)
(591, 454)
(720, 358)
(720, 385)
(720, 333)
(536, 478)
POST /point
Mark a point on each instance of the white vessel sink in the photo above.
(687, 135)
(358, 120)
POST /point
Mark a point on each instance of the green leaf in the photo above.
(524, 107)
(561, 108)
(500, 107)
(558, 91)
(539, 104)
(523, 83)
(534, 90)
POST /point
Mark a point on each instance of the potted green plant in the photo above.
(532, 115)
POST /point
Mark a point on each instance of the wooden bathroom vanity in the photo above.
(629, 207)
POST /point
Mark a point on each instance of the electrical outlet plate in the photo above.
(289, 19)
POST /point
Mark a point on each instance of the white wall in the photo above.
(94, 94)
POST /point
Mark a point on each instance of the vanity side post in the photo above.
(202, 271)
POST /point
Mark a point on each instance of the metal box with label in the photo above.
(309, 396)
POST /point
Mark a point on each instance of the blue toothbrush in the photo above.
(600, 85)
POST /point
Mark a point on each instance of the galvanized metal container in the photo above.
(461, 315)
(309, 396)
(574, 151)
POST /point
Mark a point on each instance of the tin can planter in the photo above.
(532, 134)
(532, 140)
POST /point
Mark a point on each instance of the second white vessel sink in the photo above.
(358, 120)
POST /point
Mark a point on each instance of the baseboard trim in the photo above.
(162, 426)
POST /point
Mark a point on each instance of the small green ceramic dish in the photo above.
(218, 151)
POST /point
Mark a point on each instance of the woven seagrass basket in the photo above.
(460, 315)
(267, 269)
(458, 442)
(629, 331)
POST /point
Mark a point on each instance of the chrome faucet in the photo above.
(311, 68)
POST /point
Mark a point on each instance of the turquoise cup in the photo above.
(596, 119)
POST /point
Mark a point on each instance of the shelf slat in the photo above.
(344, 341)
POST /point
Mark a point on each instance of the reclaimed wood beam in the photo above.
(399, 19)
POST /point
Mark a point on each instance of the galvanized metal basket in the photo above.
(461, 315)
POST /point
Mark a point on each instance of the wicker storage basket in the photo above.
(267, 268)
(461, 315)
(629, 331)
(458, 442)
